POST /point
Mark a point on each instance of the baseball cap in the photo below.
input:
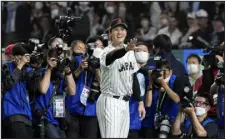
(8, 49)
(191, 15)
(201, 13)
(117, 22)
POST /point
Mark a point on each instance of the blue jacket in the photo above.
(42, 101)
(135, 122)
(16, 100)
(169, 107)
(73, 102)
(220, 108)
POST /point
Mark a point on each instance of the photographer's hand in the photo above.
(189, 110)
(71, 85)
(84, 64)
(220, 58)
(21, 62)
(52, 62)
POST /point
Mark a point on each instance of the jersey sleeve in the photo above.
(103, 57)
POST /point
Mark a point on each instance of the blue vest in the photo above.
(42, 101)
(220, 108)
(169, 107)
(188, 124)
(16, 100)
(73, 102)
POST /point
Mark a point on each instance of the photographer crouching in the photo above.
(198, 124)
(50, 104)
(217, 90)
(16, 111)
(85, 67)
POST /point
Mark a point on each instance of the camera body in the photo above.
(37, 55)
(187, 97)
(62, 62)
(65, 24)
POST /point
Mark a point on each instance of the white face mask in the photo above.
(192, 68)
(38, 5)
(54, 13)
(97, 52)
(63, 4)
(141, 57)
(167, 79)
(110, 9)
(200, 111)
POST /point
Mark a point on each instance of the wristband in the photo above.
(68, 73)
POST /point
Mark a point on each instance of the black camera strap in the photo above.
(160, 102)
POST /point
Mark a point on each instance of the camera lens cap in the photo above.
(186, 89)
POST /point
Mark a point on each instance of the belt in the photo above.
(125, 98)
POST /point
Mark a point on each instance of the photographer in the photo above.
(162, 48)
(165, 99)
(82, 106)
(198, 124)
(217, 90)
(16, 112)
(50, 105)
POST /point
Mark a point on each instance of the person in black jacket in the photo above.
(162, 47)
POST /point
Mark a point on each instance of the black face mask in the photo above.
(77, 54)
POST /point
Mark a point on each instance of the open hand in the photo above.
(131, 46)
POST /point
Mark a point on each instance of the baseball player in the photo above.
(118, 65)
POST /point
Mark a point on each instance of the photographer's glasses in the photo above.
(200, 104)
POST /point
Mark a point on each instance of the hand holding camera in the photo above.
(21, 61)
(84, 64)
(189, 110)
(52, 62)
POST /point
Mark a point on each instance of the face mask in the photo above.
(54, 13)
(97, 52)
(192, 68)
(141, 57)
(38, 5)
(167, 79)
(200, 111)
(122, 9)
(84, 8)
(164, 22)
(110, 9)
(63, 4)
(144, 23)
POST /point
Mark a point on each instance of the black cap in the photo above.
(118, 22)
(21, 49)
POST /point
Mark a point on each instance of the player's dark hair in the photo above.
(194, 56)
(163, 42)
(149, 46)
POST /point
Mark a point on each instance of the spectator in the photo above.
(162, 47)
(127, 17)
(205, 29)
(155, 11)
(195, 72)
(164, 20)
(198, 124)
(36, 29)
(110, 14)
(193, 26)
(218, 35)
(47, 31)
(97, 28)
(146, 33)
(172, 31)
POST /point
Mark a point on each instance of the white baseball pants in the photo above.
(113, 117)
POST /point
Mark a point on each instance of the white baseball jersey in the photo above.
(117, 78)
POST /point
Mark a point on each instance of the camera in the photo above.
(210, 58)
(64, 25)
(187, 97)
(37, 55)
(105, 39)
(220, 79)
(164, 128)
(62, 61)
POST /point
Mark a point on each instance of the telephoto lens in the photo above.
(164, 128)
